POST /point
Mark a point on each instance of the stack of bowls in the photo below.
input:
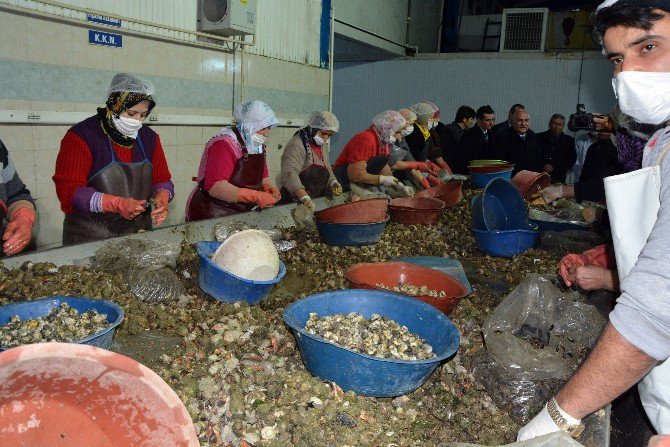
(530, 183)
(416, 210)
(483, 171)
(450, 193)
(500, 220)
(356, 223)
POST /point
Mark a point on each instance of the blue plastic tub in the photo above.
(480, 180)
(503, 207)
(351, 234)
(41, 308)
(451, 267)
(506, 243)
(225, 286)
(361, 373)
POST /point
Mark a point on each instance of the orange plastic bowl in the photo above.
(530, 183)
(416, 210)
(362, 211)
(78, 395)
(390, 274)
(450, 193)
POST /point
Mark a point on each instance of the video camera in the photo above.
(582, 120)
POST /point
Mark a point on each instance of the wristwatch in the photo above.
(574, 430)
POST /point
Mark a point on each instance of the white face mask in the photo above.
(392, 139)
(406, 131)
(644, 95)
(318, 140)
(258, 139)
(127, 126)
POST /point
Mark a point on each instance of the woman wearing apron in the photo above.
(305, 172)
(363, 163)
(635, 345)
(110, 165)
(233, 173)
(16, 206)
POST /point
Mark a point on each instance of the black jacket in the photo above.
(601, 161)
(450, 135)
(558, 152)
(500, 128)
(418, 146)
(524, 153)
(473, 145)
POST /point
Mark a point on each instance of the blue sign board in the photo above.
(103, 20)
(106, 39)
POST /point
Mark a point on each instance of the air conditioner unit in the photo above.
(524, 29)
(227, 17)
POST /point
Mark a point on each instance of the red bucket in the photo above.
(450, 193)
(416, 210)
(362, 211)
(390, 274)
(530, 183)
(79, 395)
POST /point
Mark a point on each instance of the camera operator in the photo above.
(635, 344)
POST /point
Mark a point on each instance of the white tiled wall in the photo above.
(33, 49)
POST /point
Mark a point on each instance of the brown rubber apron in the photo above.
(248, 173)
(132, 180)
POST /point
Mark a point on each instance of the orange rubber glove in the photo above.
(160, 211)
(434, 168)
(424, 183)
(444, 165)
(260, 198)
(434, 181)
(602, 256)
(420, 165)
(127, 207)
(267, 187)
(19, 230)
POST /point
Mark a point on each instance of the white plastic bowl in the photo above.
(249, 254)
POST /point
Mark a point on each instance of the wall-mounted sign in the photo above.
(103, 20)
(106, 39)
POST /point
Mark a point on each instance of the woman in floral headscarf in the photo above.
(110, 166)
(364, 160)
(233, 173)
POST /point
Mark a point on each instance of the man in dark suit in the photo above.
(475, 142)
(558, 149)
(503, 126)
(450, 134)
(519, 145)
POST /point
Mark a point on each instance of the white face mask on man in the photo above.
(643, 95)
(127, 126)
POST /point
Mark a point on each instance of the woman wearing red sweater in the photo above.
(233, 174)
(110, 166)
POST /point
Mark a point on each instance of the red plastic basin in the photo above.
(450, 193)
(55, 394)
(530, 183)
(416, 210)
(362, 211)
(390, 274)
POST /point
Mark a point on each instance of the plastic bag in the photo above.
(223, 230)
(303, 217)
(146, 266)
(155, 286)
(534, 341)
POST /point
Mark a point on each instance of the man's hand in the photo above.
(540, 425)
(659, 441)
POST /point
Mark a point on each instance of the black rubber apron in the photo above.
(247, 173)
(132, 180)
(314, 178)
(374, 166)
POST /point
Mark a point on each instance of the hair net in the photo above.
(323, 121)
(252, 116)
(409, 116)
(423, 111)
(435, 108)
(388, 123)
(124, 82)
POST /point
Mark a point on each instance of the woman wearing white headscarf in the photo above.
(233, 173)
(305, 173)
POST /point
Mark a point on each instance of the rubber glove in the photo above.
(551, 193)
(433, 167)
(444, 165)
(434, 181)
(602, 255)
(424, 183)
(260, 198)
(127, 207)
(388, 180)
(267, 187)
(336, 188)
(659, 441)
(421, 166)
(406, 190)
(543, 424)
(19, 230)
(160, 212)
(307, 201)
(570, 261)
